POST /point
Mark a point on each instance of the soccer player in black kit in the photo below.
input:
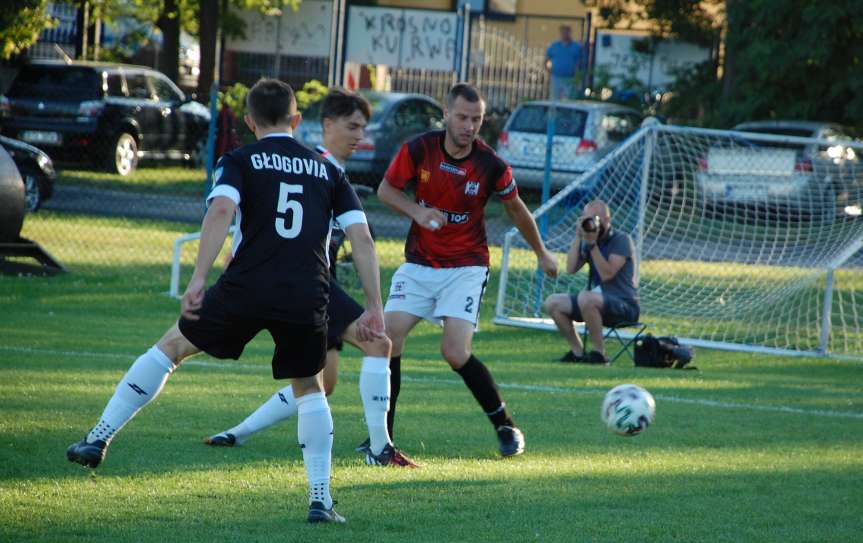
(344, 116)
(284, 196)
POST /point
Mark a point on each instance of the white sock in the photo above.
(279, 407)
(141, 384)
(315, 434)
(375, 393)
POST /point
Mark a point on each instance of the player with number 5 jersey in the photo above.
(284, 197)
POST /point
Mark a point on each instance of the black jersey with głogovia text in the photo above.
(286, 196)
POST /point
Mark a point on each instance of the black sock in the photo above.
(480, 382)
(395, 386)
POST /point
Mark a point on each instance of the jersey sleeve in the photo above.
(227, 180)
(505, 186)
(402, 169)
(347, 208)
(622, 245)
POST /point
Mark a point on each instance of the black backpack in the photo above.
(662, 352)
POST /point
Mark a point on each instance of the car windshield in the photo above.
(378, 102)
(532, 119)
(56, 82)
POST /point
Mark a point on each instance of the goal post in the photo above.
(744, 241)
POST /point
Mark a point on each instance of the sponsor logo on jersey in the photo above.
(425, 175)
(471, 188)
(452, 217)
(294, 165)
(455, 170)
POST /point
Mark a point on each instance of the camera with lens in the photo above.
(591, 224)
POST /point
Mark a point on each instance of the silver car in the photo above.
(585, 131)
(802, 177)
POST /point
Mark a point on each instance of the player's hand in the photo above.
(548, 263)
(370, 325)
(192, 299)
(430, 218)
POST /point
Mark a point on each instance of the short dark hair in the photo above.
(466, 91)
(271, 102)
(340, 102)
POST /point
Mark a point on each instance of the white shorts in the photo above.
(435, 293)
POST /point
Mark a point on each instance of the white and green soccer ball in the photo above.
(628, 410)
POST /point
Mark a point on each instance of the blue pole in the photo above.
(546, 191)
(211, 139)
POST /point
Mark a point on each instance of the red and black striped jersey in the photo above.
(460, 188)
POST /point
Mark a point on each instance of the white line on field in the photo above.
(510, 386)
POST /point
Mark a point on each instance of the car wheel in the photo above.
(123, 155)
(32, 193)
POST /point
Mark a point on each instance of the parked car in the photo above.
(797, 176)
(112, 115)
(36, 169)
(396, 117)
(585, 131)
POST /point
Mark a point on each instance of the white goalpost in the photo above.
(745, 241)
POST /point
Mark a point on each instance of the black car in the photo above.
(36, 170)
(111, 115)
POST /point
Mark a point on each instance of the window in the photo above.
(165, 90)
(533, 119)
(115, 85)
(57, 82)
(138, 87)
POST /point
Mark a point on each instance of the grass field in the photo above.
(747, 448)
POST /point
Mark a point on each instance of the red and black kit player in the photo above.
(453, 174)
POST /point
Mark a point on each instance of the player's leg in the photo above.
(399, 324)
(590, 304)
(411, 299)
(563, 310)
(341, 311)
(456, 350)
(300, 355)
(375, 394)
(139, 386)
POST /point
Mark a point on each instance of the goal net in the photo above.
(745, 241)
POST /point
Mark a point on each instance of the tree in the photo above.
(21, 21)
(794, 59)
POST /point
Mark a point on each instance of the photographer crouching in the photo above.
(611, 296)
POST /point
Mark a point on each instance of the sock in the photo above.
(480, 382)
(315, 434)
(374, 391)
(279, 407)
(395, 387)
(141, 384)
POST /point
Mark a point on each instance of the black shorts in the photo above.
(342, 311)
(223, 332)
(615, 310)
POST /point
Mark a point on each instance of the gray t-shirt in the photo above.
(624, 284)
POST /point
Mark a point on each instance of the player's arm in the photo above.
(371, 322)
(397, 200)
(574, 258)
(214, 230)
(523, 220)
(606, 268)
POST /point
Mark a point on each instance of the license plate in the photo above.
(36, 136)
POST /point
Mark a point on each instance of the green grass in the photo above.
(748, 448)
(176, 180)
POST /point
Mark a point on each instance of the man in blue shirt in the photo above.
(563, 58)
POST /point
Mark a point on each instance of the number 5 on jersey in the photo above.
(285, 203)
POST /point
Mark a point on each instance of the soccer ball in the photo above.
(628, 410)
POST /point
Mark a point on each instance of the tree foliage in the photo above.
(792, 59)
(21, 21)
